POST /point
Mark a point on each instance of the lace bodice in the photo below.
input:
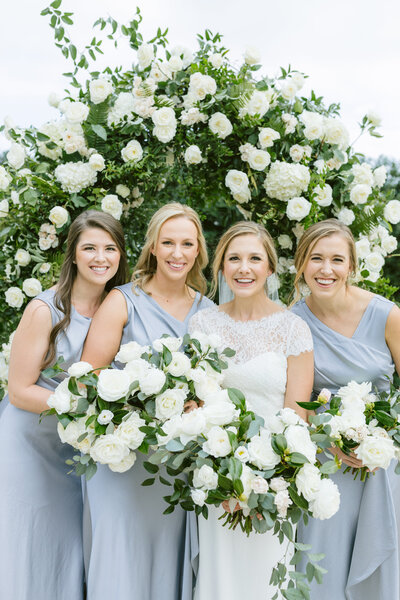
(259, 366)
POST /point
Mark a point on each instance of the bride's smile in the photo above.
(246, 266)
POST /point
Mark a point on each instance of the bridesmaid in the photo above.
(40, 505)
(137, 552)
(356, 337)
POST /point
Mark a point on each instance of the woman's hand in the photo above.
(349, 459)
(227, 508)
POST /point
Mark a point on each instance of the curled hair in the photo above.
(62, 298)
(310, 238)
(238, 229)
(146, 265)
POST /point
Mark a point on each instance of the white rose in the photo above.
(145, 55)
(326, 500)
(380, 176)
(79, 369)
(216, 60)
(298, 208)
(298, 440)
(198, 496)
(109, 449)
(363, 247)
(220, 413)
(175, 64)
(113, 384)
(336, 133)
(14, 297)
(323, 195)
(314, 125)
(76, 112)
(31, 287)
(169, 404)
(392, 212)
(172, 343)
(16, 156)
(217, 443)
(296, 152)
(130, 351)
(193, 155)
(374, 118)
(373, 276)
(164, 117)
(285, 242)
(267, 136)
(164, 133)
(179, 365)
(71, 433)
(290, 417)
(242, 454)
(129, 431)
(105, 417)
(132, 152)
(122, 190)
(61, 399)
(257, 105)
(359, 193)
(389, 244)
(298, 78)
(151, 381)
(308, 481)
(4, 208)
(282, 501)
(288, 89)
(53, 99)
(58, 216)
(205, 477)
(22, 257)
(192, 425)
(5, 180)
(99, 90)
(236, 181)
(112, 205)
(123, 465)
(206, 387)
(259, 159)
(259, 485)
(252, 55)
(362, 173)
(136, 368)
(374, 262)
(96, 161)
(220, 125)
(171, 428)
(346, 216)
(278, 484)
(261, 453)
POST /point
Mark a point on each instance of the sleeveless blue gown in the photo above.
(360, 542)
(136, 551)
(40, 505)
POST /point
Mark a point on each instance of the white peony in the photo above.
(132, 152)
(14, 297)
(16, 156)
(79, 369)
(129, 431)
(326, 500)
(22, 257)
(323, 195)
(123, 465)
(109, 449)
(259, 159)
(112, 205)
(392, 211)
(261, 453)
(298, 440)
(374, 261)
(285, 180)
(193, 155)
(217, 443)
(205, 477)
(252, 55)
(220, 125)
(267, 137)
(359, 193)
(308, 481)
(113, 384)
(32, 287)
(151, 381)
(99, 90)
(170, 403)
(346, 216)
(298, 208)
(58, 216)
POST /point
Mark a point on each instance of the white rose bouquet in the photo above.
(361, 421)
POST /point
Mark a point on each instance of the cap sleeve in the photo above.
(299, 338)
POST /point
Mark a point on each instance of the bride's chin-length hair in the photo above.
(310, 238)
(146, 265)
(239, 229)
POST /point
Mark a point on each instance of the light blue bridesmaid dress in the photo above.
(138, 553)
(40, 505)
(360, 542)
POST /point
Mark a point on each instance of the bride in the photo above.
(273, 366)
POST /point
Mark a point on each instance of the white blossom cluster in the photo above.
(372, 250)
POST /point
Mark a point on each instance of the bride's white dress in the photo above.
(232, 565)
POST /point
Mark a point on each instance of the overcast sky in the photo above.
(349, 48)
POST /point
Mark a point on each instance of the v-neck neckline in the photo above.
(165, 311)
(360, 322)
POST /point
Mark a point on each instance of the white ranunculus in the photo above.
(170, 403)
(323, 195)
(58, 216)
(112, 205)
(193, 155)
(123, 465)
(374, 262)
(205, 477)
(298, 208)
(282, 502)
(32, 287)
(129, 431)
(130, 351)
(308, 481)
(151, 381)
(286, 180)
(5, 180)
(14, 297)
(363, 247)
(259, 485)
(145, 55)
(380, 175)
(76, 112)
(251, 55)
(242, 454)
(217, 443)
(179, 365)
(298, 440)
(198, 496)
(132, 152)
(346, 216)
(99, 90)
(220, 413)
(22, 257)
(359, 193)
(109, 449)
(79, 369)
(362, 173)
(389, 244)
(220, 125)
(61, 399)
(105, 417)
(267, 137)
(259, 159)
(16, 156)
(113, 384)
(216, 60)
(261, 453)
(392, 212)
(97, 162)
(326, 500)
(285, 242)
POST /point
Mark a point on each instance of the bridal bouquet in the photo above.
(107, 416)
(361, 421)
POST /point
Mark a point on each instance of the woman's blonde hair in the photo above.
(238, 229)
(310, 238)
(146, 265)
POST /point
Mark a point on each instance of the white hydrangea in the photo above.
(112, 205)
(75, 176)
(285, 180)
